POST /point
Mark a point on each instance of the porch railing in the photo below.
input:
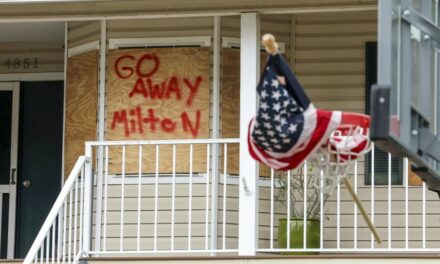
(181, 196)
(406, 216)
(165, 197)
(61, 238)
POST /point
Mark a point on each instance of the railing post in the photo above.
(248, 194)
(88, 195)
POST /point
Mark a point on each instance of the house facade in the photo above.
(144, 105)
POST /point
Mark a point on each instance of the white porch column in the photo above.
(249, 74)
(101, 130)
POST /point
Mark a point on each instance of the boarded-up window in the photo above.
(230, 105)
(158, 93)
(81, 100)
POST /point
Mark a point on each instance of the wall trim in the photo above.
(94, 45)
(197, 178)
(117, 43)
(44, 76)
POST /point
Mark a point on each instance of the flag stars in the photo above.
(267, 125)
(265, 116)
(271, 133)
(286, 140)
(277, 118)
(264, 106)
(274, 140)
(277, 107)
(276, 95)
(286, 103)
(264, 94)
(283, 121)
(275, 83)
(279, 128)
(293, 127)
(265, 83)
(258, 132)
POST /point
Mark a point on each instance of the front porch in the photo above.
(167, 189)
(125, 205)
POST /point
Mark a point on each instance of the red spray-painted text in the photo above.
(140, 119)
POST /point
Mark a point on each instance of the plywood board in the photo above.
(230, 106)
(157, 94)
(81, 105)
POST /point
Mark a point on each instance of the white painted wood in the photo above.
(101, 125)
(83, 48)
(63, 144)
(11, 189)
(249, 74)
(215, 130)
(117, 43)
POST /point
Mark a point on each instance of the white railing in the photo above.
(405, 216)
(165, 197)
(181, 196)
(61, 238)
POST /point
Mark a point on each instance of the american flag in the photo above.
(287, 128)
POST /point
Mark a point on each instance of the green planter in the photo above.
(297, 235)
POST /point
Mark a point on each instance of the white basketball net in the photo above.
(334, 160)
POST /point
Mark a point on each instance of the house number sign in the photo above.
(20, 63)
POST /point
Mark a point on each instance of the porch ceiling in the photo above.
(76, 10)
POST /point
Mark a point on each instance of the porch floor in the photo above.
(277, 259)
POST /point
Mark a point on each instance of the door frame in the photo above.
(15, 88)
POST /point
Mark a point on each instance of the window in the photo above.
(381, 158)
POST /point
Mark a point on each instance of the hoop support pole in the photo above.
(362, 211)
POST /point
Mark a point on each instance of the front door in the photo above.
(40, 157)
(9, 108)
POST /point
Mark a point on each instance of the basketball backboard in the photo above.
(406, 101)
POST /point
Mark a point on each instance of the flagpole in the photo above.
(362, 210)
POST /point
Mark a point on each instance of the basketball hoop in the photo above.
(332, 162)
(334, 159)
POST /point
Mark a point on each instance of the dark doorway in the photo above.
(39, 159)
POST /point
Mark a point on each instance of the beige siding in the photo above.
(164, 216)
(42, 57)
(83, 32)
(278, 25)
(166, 27)
(329, 57)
